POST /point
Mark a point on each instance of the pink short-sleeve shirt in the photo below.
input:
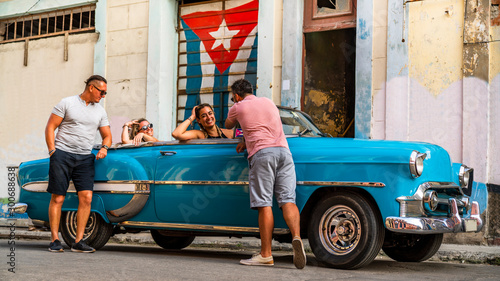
(261, 123)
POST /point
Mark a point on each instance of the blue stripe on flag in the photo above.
(193, 69)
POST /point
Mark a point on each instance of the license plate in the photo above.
(470, 225)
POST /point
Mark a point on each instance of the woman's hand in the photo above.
(193, 114)
(181, 133)
(130, 123)
(138, 139)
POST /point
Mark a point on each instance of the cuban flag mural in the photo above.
(217, 46)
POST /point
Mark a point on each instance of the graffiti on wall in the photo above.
(218, 45)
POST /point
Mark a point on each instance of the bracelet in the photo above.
(52, 151)
(105, 146)
(125, 126)
(190, 120)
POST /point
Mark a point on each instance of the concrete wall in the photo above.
(126, 65)
(379, 68)
(426, 95)
(269, 50)
(28, 93)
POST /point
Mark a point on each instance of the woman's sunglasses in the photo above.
(145, 127)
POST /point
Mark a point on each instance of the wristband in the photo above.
(105, 146)
(52, 151)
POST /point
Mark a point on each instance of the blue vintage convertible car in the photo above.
(355, 196)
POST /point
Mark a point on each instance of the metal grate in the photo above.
(80, 19)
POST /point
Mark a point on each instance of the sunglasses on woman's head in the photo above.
(145, 127)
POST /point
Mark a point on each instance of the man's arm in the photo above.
(105, 132)
(52, 124)
(231, 119)
(149, 138)
(229, 124)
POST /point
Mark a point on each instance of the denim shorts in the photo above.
(271, 172)
(65, 166)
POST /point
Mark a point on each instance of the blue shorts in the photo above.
(65, 166)
(271, 172)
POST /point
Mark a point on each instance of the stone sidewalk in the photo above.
(447, 252)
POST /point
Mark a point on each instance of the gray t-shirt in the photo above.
(77, 131)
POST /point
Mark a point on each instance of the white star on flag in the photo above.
(221, 34)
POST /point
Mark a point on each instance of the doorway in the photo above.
(329, 80)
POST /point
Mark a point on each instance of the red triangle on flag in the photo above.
(224, 32)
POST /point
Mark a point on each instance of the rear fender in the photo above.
(97, 206)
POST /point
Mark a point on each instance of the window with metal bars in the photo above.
(80, 19)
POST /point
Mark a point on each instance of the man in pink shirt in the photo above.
(271, 169)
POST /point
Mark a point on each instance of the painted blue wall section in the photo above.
(251, 71)
(4, 213)
(193, 84)
(397, 48)
(27, 7)
(364, 38)
(397, 86)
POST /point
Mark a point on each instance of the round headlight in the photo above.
(417, 163)
(464, 176)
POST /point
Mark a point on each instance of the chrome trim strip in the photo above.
(202, 182)
(133, 207)
(322, 183)
(425, 225)
(40, 223)
(139, 186)
(201, 227)
(342, 183)
(175, 142)
(20, 208)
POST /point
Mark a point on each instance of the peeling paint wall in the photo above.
(435, 30)
(443, 84)
(447, 93)
(435, 43)
(329, 68)
(28, 93)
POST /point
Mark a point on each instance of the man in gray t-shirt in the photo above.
(77, 118)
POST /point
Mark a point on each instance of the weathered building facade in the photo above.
(416, 70)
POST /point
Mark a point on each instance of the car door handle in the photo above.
(168, 153)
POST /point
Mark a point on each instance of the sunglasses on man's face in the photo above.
(145, 127)
(102, 92)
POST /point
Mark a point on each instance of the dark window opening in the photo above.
(330, 4)
(73, 20)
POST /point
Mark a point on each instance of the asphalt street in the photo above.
(150, 262)
(448, 252)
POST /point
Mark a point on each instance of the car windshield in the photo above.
(296, 123)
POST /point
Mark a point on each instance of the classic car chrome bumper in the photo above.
(20, 208)
(452, 223)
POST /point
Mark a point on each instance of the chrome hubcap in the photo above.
(340, 230)
(71, 224)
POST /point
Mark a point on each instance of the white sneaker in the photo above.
(299, 255)
(257, 259)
